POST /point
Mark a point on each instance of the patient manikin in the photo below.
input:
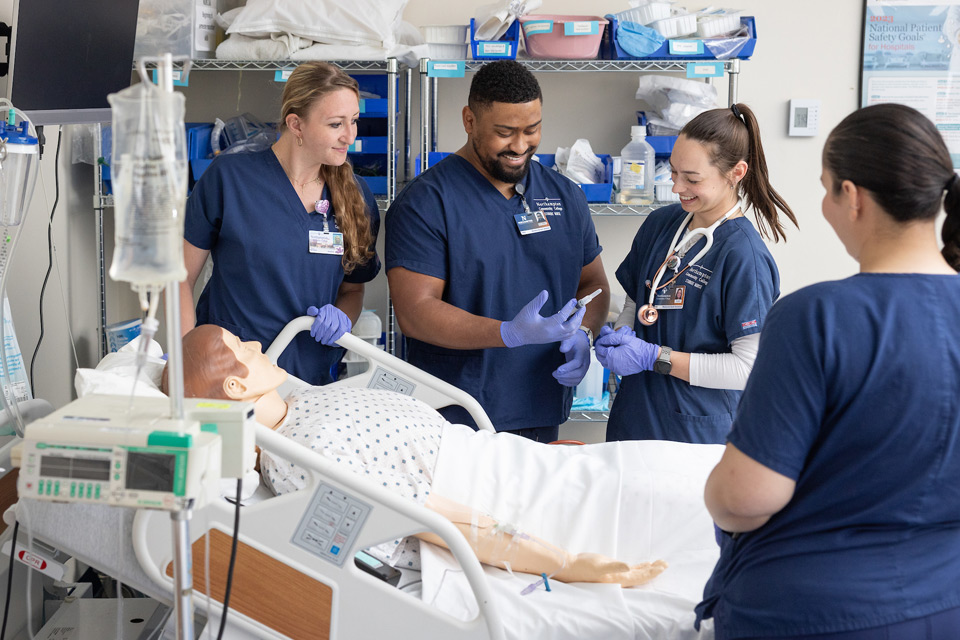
(391, 438)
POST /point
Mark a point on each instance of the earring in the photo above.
(299, 141)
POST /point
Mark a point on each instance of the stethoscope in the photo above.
(648, 313)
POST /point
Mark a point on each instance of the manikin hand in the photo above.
(577, 350)
(593, 567)
(623, 352)
(529, 327)
(330, 325)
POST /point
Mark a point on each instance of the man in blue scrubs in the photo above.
(471, 267)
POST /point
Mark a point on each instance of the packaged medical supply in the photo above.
(579, 163)
(492, 20)
(637, 169)
(121, 333)
(712, 23)
(676, 25)
(675, 100)
(644, 13)
(637, 40)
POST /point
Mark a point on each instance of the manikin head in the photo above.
(217, 364)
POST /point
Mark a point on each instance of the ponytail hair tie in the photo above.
(952, 181)
(737, 113)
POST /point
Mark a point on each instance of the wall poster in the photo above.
(911, 55)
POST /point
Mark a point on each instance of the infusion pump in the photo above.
(107, 450)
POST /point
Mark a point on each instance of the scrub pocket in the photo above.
(459, 368)
(704, 429)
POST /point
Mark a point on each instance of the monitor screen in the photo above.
(65, 57)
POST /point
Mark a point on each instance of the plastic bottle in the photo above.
(637, 168)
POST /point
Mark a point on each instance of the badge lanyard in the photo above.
(648, 313)
(529, 221)
(323, 241)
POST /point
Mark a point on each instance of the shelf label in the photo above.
(494, 48)
(581, 28)
(535, 27)
(446, 69)
(179, 78)
(356, 147)
(686, 47)
(363, 106)
(282, 75)
(704, 69)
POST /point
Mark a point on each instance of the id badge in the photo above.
(533, 222)
(326, 243)
(670, 297)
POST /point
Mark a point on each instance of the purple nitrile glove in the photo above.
(529, 327)
(623, 352)
(330, 325)
(577, 350)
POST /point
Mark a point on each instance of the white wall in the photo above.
(808, 53)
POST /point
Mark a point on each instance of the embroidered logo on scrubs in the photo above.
(748, 324)
(549, 206)
(697, 276)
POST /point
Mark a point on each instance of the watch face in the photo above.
(662, 366)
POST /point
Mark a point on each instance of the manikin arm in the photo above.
(529, 554)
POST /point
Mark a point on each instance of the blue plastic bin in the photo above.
(599, 192)
(610, 49)
(503, 49)
(434, 157)
(369, 144)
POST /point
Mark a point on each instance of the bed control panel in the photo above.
(330, 525)
(388, 381)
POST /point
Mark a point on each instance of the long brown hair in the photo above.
(731, 138)
(872, 146)
(308, 83)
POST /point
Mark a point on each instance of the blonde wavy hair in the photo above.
(308, 83)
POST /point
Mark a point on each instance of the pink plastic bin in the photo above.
(554, 37)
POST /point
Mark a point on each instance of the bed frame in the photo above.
(281, 589)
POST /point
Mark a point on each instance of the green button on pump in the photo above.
(56, 488)
(96, 492)
(73, 489)
(89, 490)
(49, 487)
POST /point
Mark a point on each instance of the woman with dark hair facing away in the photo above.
(840, 482)
(290, 229)
(703, 281)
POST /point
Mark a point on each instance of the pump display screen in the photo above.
(75, 468)
(150, 471)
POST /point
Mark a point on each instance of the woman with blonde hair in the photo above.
(290, 229)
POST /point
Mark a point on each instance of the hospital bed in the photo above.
(648, 496)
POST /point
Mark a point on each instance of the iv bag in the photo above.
(149, 170)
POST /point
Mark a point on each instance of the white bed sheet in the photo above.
(634, 501)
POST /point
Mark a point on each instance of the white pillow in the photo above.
(369, 22)
(114, 374)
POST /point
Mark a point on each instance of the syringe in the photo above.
(584, 301)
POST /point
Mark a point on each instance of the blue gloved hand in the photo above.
(529, 327)
(577, 349)
(330, 325)
(623, 352)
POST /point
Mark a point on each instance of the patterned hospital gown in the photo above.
(391, 438)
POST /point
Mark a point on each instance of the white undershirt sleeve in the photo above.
(627, 315)
(725, 370)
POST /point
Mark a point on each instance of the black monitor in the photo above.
(64, 57)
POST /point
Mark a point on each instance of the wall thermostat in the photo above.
(804, 117)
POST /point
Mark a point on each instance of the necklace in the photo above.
(302, 185)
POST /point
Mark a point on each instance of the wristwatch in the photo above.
(589, 333)
(663, 364)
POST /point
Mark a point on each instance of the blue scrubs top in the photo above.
(247, 214)
(452, 223)
(727, 293)
(855, 395)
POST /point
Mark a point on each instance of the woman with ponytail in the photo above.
(840, 484)
(291, 230)
(699, 283)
